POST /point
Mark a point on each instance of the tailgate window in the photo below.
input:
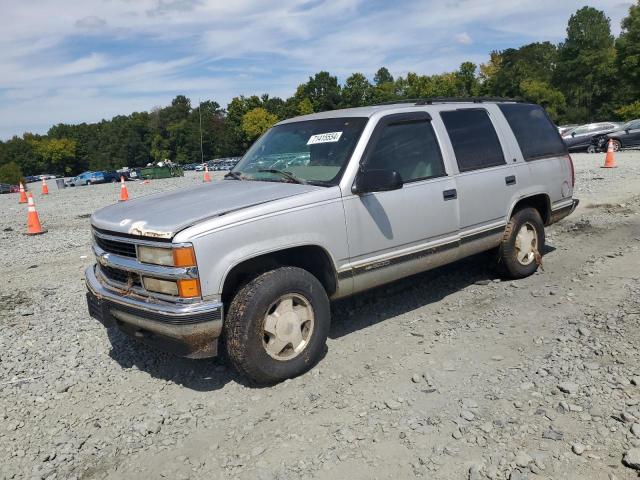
(536, 135)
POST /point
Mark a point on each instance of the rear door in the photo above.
(485, 182)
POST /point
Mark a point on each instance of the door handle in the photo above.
(510, 180)
(450, 194)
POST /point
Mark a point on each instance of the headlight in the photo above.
(170, 257)
(167, 287)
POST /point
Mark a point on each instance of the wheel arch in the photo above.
(540, 201)
(312, 258)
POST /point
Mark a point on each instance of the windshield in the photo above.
(313, 151)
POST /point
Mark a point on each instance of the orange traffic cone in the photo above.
(124, 194)
(33, 222)
(609, 161)
(23, 194)
(45, 189)
(207, 177)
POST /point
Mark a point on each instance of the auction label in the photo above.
(324, 138)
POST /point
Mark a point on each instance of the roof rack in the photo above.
(432, 100)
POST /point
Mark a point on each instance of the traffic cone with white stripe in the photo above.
(609, 161)
(207, 177)
(45, 189)
(33, 221)
(23, 194)
(124, 194)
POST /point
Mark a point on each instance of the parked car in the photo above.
(199, 167)
(580, 139)
(256, 258)
(627, 136)
(5, 188)
(79, 180)
(564, 129)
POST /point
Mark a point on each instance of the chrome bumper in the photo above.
(189, 330)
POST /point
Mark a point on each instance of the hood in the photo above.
(165, 214)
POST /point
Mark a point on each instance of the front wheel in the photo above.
(277, 325)
(591, 149)
(522, 242)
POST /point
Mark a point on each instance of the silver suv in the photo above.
(321, 207)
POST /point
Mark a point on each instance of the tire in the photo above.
(591, 149)
(250, 338)
(512, 260)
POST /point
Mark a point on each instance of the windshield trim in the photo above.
(348, 154)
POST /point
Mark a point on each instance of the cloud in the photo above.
(464, 38)
(91, 22)
(96, 58)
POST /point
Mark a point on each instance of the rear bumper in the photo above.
(189, 330)
(560, 213)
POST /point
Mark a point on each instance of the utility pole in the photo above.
(201, 147)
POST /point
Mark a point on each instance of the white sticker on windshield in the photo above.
(324, 138)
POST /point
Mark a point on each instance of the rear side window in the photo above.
(474, 139)
(536, 135)
(410, 148)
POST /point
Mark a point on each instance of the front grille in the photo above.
(121, 276)
(123, 249)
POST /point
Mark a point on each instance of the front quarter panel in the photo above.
(315, 218)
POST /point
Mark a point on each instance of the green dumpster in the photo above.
(152, 173)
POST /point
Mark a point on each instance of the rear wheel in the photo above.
(591, 149)
(277, 325)
(521, 244)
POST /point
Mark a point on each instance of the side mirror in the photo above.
(627, 131)
(573, 134)
(377, 181)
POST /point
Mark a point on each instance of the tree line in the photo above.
(590, 76)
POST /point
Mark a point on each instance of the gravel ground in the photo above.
(450, 374)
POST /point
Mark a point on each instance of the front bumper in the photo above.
(189, 330)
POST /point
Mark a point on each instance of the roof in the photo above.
(373, 109)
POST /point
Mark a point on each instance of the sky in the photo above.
(72, 61)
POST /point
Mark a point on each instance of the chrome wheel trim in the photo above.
(526, 244)
(287, 327)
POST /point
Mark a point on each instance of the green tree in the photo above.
(467, 81)
(305, 107)
(58, 154)
(535, 61)
(357, 91)
(257, 121)
(11, 173)
(585, 64)
(542, 93)
(323, 90)
(382, 76)
(629, 112)
(628, 51)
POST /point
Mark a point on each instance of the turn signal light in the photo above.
(184, 257)
(189, 288)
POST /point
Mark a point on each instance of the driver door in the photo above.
(396, 233)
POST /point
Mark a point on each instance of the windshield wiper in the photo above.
(234, 174)
(287, 175)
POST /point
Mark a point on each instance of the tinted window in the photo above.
(536, 135)
(411, 149)
(474, 139)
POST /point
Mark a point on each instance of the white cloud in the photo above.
(464, 38)
(91, 59)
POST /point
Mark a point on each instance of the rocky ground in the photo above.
(450, 374)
